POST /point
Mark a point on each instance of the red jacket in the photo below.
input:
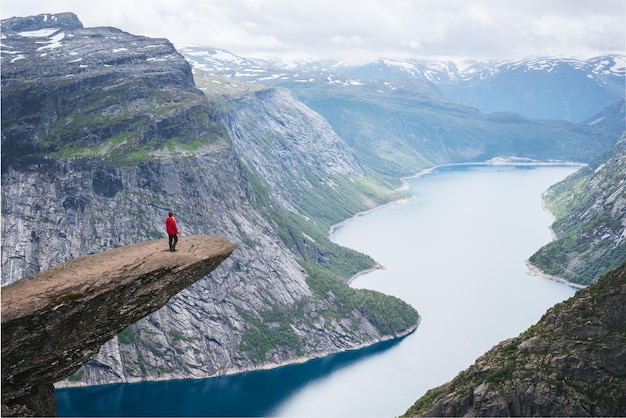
(170, 225)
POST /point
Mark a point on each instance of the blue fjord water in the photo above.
(456, 252)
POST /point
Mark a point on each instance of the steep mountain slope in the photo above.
(612, 118)
(71, 94)
(590, 226)
(398, 123)
(103, 132)
(571, 363)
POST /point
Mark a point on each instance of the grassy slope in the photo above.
(306, 233)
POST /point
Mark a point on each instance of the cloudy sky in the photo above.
(360, 30)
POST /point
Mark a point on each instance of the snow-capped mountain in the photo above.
(472, 71)
(570, 89)
(542, 88)
(265, 71)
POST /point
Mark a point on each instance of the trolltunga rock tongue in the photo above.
(55, 321)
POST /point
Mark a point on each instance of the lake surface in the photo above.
(456, 253)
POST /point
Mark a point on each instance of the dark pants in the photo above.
(173, 241)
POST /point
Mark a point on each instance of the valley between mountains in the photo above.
(104, 132)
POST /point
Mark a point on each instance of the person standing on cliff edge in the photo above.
(172, 230)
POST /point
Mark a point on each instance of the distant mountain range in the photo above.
(398, 121)
(539, 88)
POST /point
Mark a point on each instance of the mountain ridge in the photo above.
(478, 83)
(399, 126)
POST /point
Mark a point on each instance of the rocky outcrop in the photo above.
(571, 363)
(55, 321)
(42, 21)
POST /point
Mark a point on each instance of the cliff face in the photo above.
(571, 363)
(55, 321)
(103, 132)
(302, 146)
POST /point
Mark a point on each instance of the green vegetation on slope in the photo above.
(328, 266)
(388, 313)
(322, 206)
(590, 214)
(399, 132)
(126, 123)
(273, 329)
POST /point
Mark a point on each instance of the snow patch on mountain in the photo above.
(438, 72)
(41, 33)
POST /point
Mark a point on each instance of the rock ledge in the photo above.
(55, 321)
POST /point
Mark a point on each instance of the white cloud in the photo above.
(361, 29)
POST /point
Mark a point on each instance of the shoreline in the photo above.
(377, 266)
(331, 231)
(535, 271)
(65, 384)
(512, 161)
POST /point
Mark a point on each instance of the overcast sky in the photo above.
(360, 30)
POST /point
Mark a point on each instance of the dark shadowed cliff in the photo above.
(571, 363)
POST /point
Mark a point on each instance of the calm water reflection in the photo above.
(257, 393)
